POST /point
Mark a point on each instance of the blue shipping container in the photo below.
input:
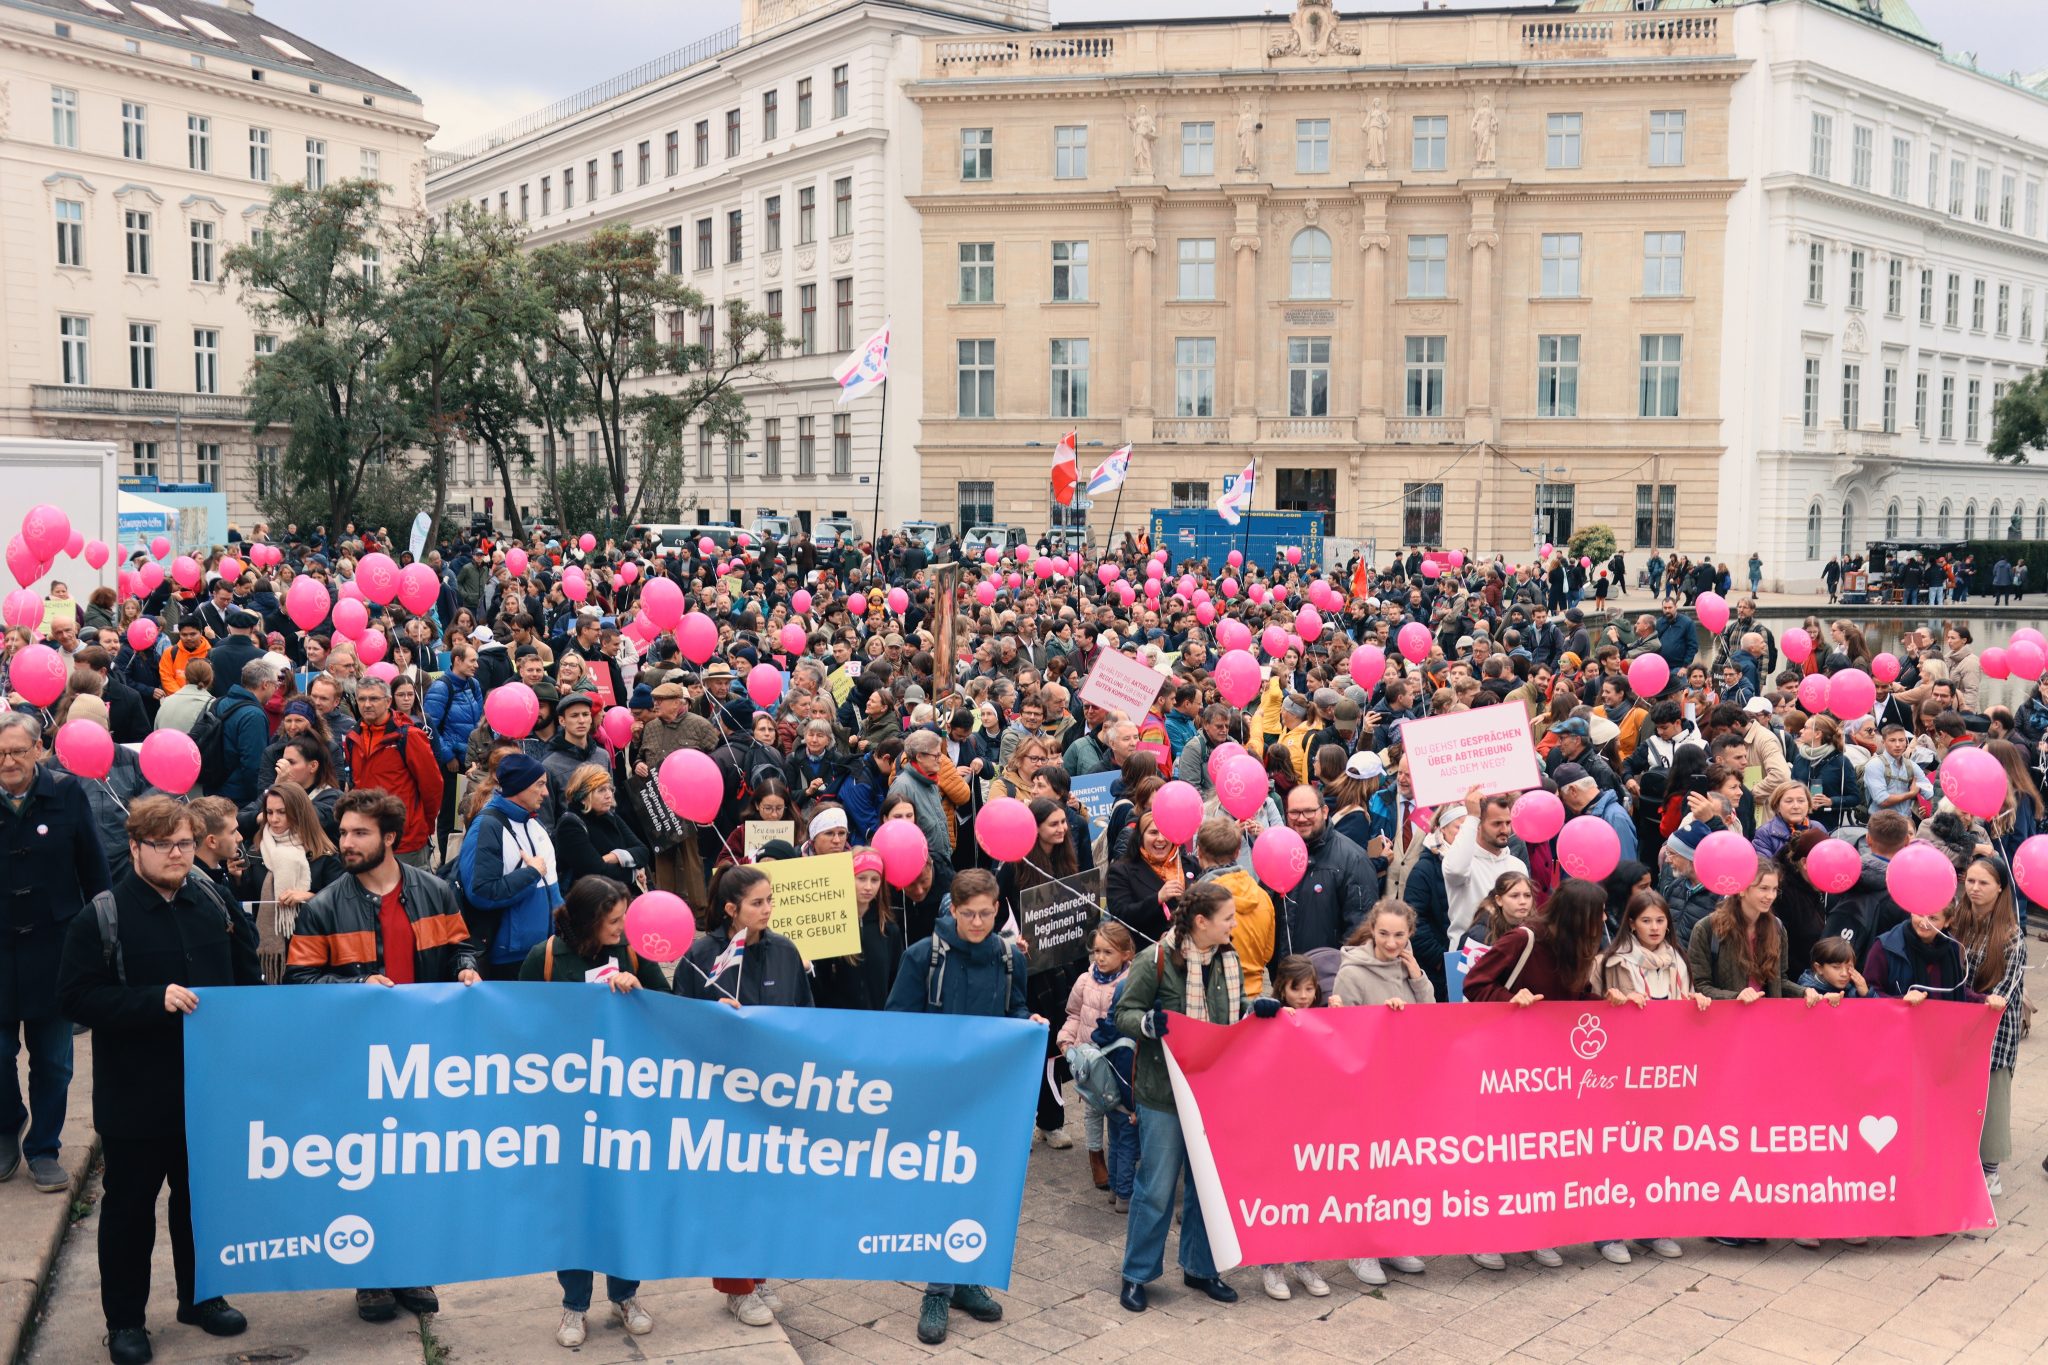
(1199, 533)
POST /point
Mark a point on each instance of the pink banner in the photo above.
(1334, 1133)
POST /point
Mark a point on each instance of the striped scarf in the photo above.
(1198, 960)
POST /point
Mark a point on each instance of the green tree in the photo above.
(579, 496)
(2019, 423)
(305, 274)
(1595, 542)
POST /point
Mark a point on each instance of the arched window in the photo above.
(1919, 517)
(1941, 520)
(1848, 524)
(1813, 530)
(1891, 520)
(2017, 527)
(1970, 520)
(2041, 520)
(1993, 528)
(1309, 259)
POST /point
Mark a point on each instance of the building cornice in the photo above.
(1944, 115)
(1935, 225)
(1223, 196)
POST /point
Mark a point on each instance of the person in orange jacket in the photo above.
(391, 753)
(191, 645)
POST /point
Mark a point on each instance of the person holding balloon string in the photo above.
(1046, 860)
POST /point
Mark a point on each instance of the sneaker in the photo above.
(1728, 1241)
(1367, 1269)
(1407, 1265)
(1057, 1139)
(933, 1319)
(1810, 1243)
(1546, 1256)
(376, 1305)
(129, 1346)
(631, 1316)
(215, 1317)
(571, 1332)
(420, 1299)
(769, 1297)
(1489, 1260)
(1275, 1282)
(1993, 1186)
(749, 1309)
(1316, 1285)
(1855, 1241)
(977, 1303)
(48, 1174)
(1616, 1252)
(1661, 1246)
(1122, 1203)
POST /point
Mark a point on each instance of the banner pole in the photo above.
(881, 433)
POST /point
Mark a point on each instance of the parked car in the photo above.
(827, 532)
(1002, 537)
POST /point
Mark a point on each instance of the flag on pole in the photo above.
(1110, 474)
(733, 956)
(1239, 498)
(866, 367)
(1064, 471)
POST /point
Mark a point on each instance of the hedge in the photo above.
(2033, 552)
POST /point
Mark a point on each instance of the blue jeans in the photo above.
(49, 1082)
(576, 1289)
(1120, 1151)
(1163, 1159)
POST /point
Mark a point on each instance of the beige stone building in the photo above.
(1452, 278)
(138, 144)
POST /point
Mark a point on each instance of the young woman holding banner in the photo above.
(1050, 859)
(1995, 956)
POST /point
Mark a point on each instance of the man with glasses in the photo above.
(50, 866)
(397, 758)
(1339, 887)
(174, 935)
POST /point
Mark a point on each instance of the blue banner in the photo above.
(1093, 794)
(345, 1136)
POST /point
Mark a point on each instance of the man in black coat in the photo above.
(173, 934)
(1339, 887)
(50, 866)
(238, 648)
(127, 717)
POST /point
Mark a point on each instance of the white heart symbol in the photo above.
(1878, 1130)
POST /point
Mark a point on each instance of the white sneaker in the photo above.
(1993, 1186)
(769, 1297)
(1058, 1140)
(1316, 1285)
(749, 1309)
(1616, 1252)
(1407, 1265)
(1810, 1243)
(1661, 1246)
(1547, 1256)
(572, 1331)
(1276, 1283)
(1489, 1260)
(1367, 1269)
(631, 1316)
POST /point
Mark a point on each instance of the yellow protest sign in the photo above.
(815, 905)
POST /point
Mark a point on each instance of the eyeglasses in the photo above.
(167, 847)
(15, 755)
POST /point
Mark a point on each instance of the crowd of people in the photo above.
(358, 819)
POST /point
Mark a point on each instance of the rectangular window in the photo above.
(568, 187)
(372, 266)
(1424, 374)
(1194, 377)
(590, 181)
(732, 133)
(1658, 389)
(675, 250)
(269, 480)
(1852, 396)
(524, 215)
(1667, 137)
(259, 155)
(1197, 260)
(1557, 376)
(806, 215)
(1069, 272)
(1561, 134)
(771, 223)
(2004, 314)
(74, 345)
(976, 376)
(1555, 510)
(203, 247)
(1888, 413)
(1862, 155)
(977, 154)
(1070, 153)
(702, 146)
(205, 360)
(137, 230)
(619, 172)
(70, 232)
(134, 131)
(735, 225)
(1188, 495)
(1428, 267)
(1927, 297)
(703, 452)
(1429, 146)
(1664, 264)
(2031, 222)
(1948, 407)
(771, 113)
(977, 272)
(703, 243)
(199, 143)
(1956, 173)
(1560, 271)
(1971, 393)
(1069, 377)
(547, 195)
(63, 117)
(806, 446)
(1308, 376)
(842, 443)
(2026, 315)
(1902, 167)
(1422, 513)
(141, 355)
(144, 458)
(206, 457)
(1894, 287)
(2008, 188)
(672, 153)
(977, 502)
(1809, 395)
(771, 304)
(1856, 279)
(1920, 404)
(1933, 177)
(1198, 149)
(1656, 515)
(841, 91)
(1816, 272)
(1976, 305)
(771, 447)
(1821, 147)
(1982, 200)
(842, 313)
(1311, 146)
(1953, 314)
(842, 206)
(803, 103)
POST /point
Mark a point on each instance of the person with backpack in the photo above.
(129, 972)
(507, 869)
(1089, 1001)
(389, 752)
(232, 732)
(589, 946)
(455, 707)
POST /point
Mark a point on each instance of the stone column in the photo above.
(1479, 324)
(1372, 338)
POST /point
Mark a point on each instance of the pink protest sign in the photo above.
(1488, 745)
(1120, 683)
(1461, 1128)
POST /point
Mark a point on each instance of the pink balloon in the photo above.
(150, 577)
(97, 553)
(1538, 816)
(1309, 622)
(1220, 756)
(1273, 640)
(1797, 644)
(985, 592)
(350, 591)
(2030, 867)
(1457, 559)
(512, 709)
(1205, 612)
(1237, 677)
(1834, 866)
(1713, 610)
(898, 600)
(575, 586)
(85, 749)
(75, 545)
(1151, 589)
(170, 761)
(306, 602)
(39, 674)
(1177, 810)
(1241, 785)
(1413, 641)
(1813, 693)
(1432, 569)
(706, 546)
(1006, 830)
(1187, 585)
(691, 784)
(659, 926)
(1885, 668)
(1257, 593)
(160, 548)
(857, 605)
(372, 646)
(764, 685)
(24, 608)
(793, 638)
(1234, 559)
(186, 573)
(351, 619)
(628, 573)
(991, 556)
(1852, 693)
(1232, 633)
(1585, 562)
(1108, 573)
(384, 671)
(1725, 862)
(1293, 554)
(662, 600)
(1025, 554)
(617, 727)
(904, 851)
(1921, 878)
(515, 562)
(1588, 847)
(2029, 633)
(744, 539)
(1228, 587)
(377, 576)
(1547, 548)
(45, 530)
(586, 542)
(1648, 674)
(418, 589)
(697, 637)
(1280, 859)
(1368, 666)
(799, 601)
(1972, 779)
(1995, 664)
(229, 568)
(1043, 568)
(2027, 659)
(1014, 579)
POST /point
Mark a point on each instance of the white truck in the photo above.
(81, 478)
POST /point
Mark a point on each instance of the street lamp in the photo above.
(1540, 474)
(178, 426)
(730, 510)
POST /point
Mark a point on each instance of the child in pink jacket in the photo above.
(1093, 995)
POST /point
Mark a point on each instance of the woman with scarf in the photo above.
(292, 860)
(1791, 803)
(1995, 959)
(1144, 885)
(591, 838)
(1051, 860)
(1820, 764)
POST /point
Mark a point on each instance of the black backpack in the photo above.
(210, 733)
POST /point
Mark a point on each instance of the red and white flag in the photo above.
(1065, 471)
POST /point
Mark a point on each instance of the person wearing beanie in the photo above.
(1690, 902)
(863, 981)
(507, 870)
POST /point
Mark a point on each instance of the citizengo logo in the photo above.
(964, 1241)
(348, 1240)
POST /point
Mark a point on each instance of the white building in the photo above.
(1887, 278)
(138, 144)
(773, 160)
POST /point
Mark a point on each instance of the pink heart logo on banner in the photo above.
(1878, 1130)
(1589, 1040)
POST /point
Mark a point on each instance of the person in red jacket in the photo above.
(391, 753)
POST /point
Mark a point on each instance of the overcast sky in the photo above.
(481, 64)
